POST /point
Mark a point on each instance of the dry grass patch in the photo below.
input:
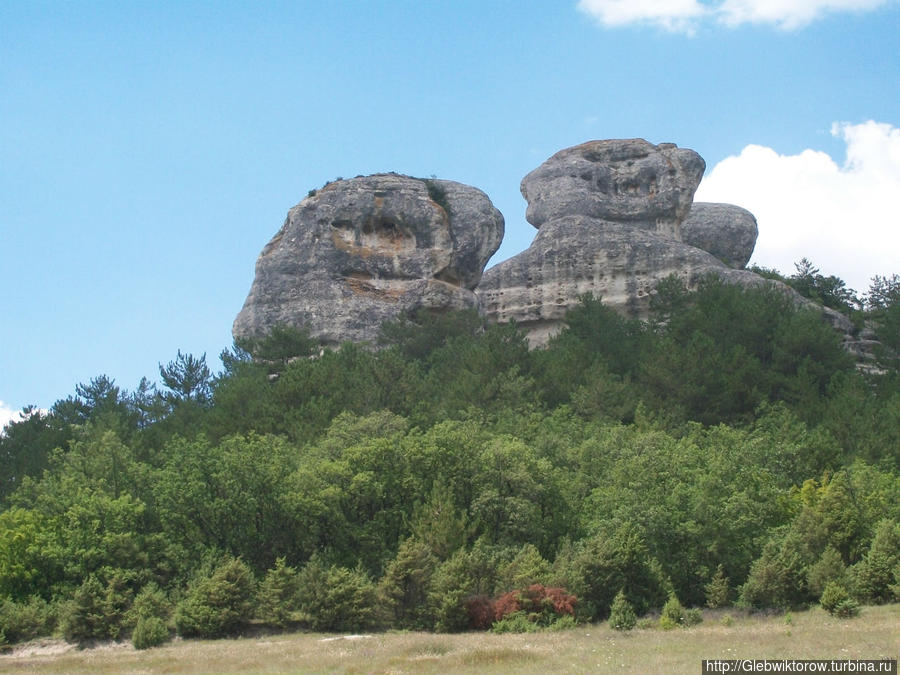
(806, 635)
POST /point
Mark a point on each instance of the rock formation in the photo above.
(360, 251)
(610, 216)
(725, 230)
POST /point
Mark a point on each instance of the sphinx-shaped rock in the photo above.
(610, 217)
(725, 230)
(364, 250)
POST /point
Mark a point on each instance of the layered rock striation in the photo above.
(364, 250)
(614, 218)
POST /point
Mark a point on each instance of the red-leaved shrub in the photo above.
(480, 609)
(542, 603)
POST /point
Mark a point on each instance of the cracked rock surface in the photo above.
(364, 250)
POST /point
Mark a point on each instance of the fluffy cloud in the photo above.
(8, 415)
(843, 217)
(685, 15)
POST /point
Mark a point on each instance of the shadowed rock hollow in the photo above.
(364, 250)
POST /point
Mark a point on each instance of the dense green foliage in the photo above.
(728, 450)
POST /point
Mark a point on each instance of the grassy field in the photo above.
(802, 635)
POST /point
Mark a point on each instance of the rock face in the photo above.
(610, 217)
(360, 251)
(725, 230)
(631, 181)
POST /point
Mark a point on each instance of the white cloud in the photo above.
(844, 218)
(787, 14)
(675, 15)
(686, 15)
(8, 415)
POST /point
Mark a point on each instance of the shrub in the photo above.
(26, 620)
(151, 601)
(874, 574)
(526, 568)
(672, 614)
(541, 604)
(603, 564)
(277, 596)
(516, 622)
(692, 617)
(776, 579)
(96, 611)
(481, 611)
(333, 598)
(220, 604)
(405, 585)
(833, 595)
(563, 623)
(829, 567)
(621, 613)
(846, 609)
(150, 631)
(718, 590)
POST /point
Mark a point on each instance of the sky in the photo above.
(149, 150)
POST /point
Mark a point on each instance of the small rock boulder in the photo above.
(725, 230)
(365, 250)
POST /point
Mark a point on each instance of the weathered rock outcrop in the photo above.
(360, 251)
(725, 230)
(610, 217)
(651, 187)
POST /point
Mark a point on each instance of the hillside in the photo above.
(727, 451)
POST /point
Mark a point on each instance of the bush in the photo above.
(692, 617)
(150, 631)
(846, 609)
(776, 579)
(563, 623)
(480, 610)
(218, 605)
(621, 613)
(277, 596)
(151, 601)
(672, 614)
(405, 585)
(833, 595)
(542, 605)
(718, 590)
(26, 620)
(874, 574)
(829, 567)
(516, 622)
(332, 598)
(96, 611)
(602, 564)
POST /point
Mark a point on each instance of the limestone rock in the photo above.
(360, 251)
(725, 230)
(631, 181)
(610, 217)
(578, 255)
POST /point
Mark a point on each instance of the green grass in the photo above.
(595, 648)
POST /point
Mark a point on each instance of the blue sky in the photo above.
(148, 150)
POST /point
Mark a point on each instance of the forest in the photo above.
(728, 452)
